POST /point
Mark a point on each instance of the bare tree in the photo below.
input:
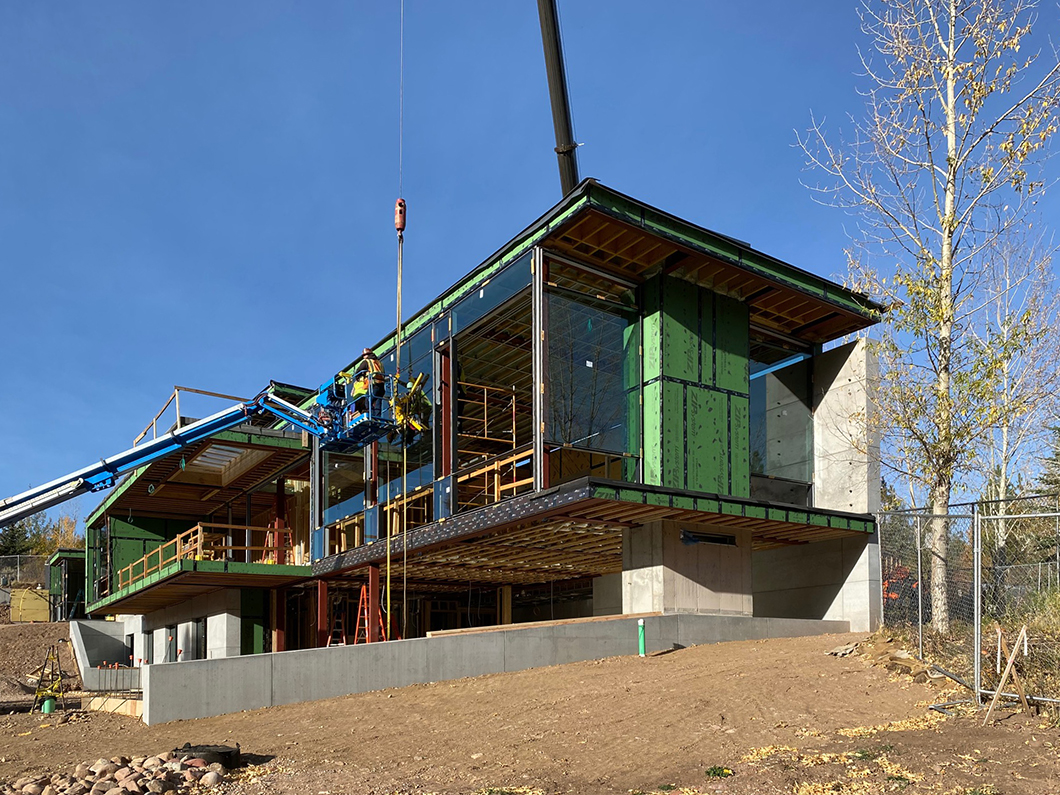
(1016, 340)
(957, 118)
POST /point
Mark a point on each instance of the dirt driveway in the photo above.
(781, 715)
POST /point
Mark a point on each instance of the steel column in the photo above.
(538, 366)
(373, 605)
(322, 613)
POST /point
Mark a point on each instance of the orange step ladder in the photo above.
(364, 620)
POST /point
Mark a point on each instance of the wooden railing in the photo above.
(205, 542)
(497, 479)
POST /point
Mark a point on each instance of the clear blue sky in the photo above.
(202, 194)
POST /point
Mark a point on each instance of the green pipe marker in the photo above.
(640, 635)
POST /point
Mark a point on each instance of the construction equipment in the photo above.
(556, 70)
(332, 418)
(337, 636)
(364, 620)
(49, 680)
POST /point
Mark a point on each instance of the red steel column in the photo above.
(279, 642)
(373, 605)
(322, 614)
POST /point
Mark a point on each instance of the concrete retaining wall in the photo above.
(203, 688)
(100, 643)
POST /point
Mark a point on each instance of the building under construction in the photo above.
(625, 414)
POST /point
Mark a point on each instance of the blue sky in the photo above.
(202, 194)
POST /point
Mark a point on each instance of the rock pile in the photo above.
(165, 773)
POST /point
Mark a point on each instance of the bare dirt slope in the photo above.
(780, 714)
(23, 648)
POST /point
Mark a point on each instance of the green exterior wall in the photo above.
(254, 620)
(696, 388)
(126, 541)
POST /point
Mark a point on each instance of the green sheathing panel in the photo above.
(740, 438)
(695, 388)
(130, 541)
(707, 421)
(652, 325)
(253, 621)
(674, 459)
(681, 332)
(732, 344)
(653, 434)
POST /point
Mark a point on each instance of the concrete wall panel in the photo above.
(202, 688)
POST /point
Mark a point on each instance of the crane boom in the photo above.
(566, 148)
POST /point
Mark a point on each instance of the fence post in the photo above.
(977, 603)
(919, 592)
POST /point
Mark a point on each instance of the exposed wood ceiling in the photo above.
(636, 254)
(215, 473)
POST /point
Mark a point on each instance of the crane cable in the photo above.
(399, 227)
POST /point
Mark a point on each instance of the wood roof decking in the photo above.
(576, 531)
(214, 473)
(634, 253)
(602, 227)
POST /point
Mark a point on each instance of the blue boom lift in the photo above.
(334, 418)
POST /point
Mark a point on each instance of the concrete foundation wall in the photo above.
(834, 580)
(846, 449)
(222, 611)
(661, 574)
(203, 688)
(102, 643)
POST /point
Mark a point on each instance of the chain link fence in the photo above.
(23, 570)
(963, 585)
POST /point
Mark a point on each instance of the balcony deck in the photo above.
(198, 561)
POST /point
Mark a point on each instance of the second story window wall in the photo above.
(781, 426)
(592, 406)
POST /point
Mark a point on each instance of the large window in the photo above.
(592, 423)
(781, 426)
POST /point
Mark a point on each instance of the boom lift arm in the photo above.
(332, 419)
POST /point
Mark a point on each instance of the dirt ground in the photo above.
(781, 716)
(23, 648)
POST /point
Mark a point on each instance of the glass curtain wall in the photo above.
(781, 426)
(493, 383)
(592, 406)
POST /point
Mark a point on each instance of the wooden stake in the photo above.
(1004, 677)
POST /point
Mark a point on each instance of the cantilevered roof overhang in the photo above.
(205, 477)
(575, 530)
(635, 241)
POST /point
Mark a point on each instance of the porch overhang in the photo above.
(574, 531)
(186, 579)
